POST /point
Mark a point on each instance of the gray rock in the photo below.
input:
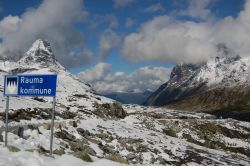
(80, 146)
(89, 150)
(59, 152)
(67, 115)
(161, 160)
(83, 132)
(63, 144)
(107, 110)
(76, 146)
(142, 148)
(20, 132)
(131, 156)
(108, 149)
(31, 127)
(138, 159)
(65, 135)
(83, 141)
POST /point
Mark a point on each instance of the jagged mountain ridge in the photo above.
(39, 59)
(214, 85)
(40, 52)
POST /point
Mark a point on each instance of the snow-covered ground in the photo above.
(141, 134)
(24, 158)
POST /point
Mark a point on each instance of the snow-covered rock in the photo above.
(220, 83)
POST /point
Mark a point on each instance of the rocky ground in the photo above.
(133, 134)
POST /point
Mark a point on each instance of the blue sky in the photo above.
(113, 24)
(221, 8)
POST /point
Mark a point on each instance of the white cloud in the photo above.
(167, 39)
(108, 40)
(103, 80)
(198, 9)
(122, 3)
(8, 25)
(154, 8)
(53, 20)
(97, 73)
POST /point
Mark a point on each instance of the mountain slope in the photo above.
(220, 83)
(71, 91)
(87, 124)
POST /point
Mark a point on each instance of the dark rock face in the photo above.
(40, 53)
(82, 132)
(59, 152)
(21, 70)
(67, 115)
(219, 84)
(64, 135)
(27, 114)
(180, 73)
(176, 88)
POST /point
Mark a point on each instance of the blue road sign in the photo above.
(30, 85)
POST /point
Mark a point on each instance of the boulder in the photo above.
(82, 132)
(18, 131)
(161, 160)
(131, 156)
(108, 149)
(59, 152)
(65, 135)
(67, 115)
(89, 150)
(110, 110)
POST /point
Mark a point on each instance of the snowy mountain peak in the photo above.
(40, 44)
(39, 53)
(225, 70)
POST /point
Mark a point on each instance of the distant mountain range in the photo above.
(222, 83)
(129, 97)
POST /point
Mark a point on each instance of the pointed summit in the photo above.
(39, 53)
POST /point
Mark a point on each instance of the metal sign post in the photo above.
(6, 120)
(52, 125)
